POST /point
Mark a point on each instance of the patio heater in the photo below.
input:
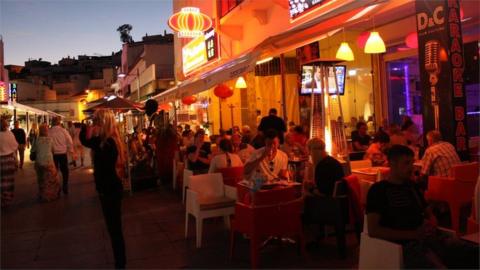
(324, 105)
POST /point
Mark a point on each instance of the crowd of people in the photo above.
(264, 154)
(51, 148)
(266, 151)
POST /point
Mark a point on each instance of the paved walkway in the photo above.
(70, 233)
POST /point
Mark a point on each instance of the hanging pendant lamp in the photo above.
(344, 52)
(375, 43)
(240, 83)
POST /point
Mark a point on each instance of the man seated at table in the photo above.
(327, 171)
(360, 138)
(439, 157)
(397, 211)
(268, 161)
(199, 154)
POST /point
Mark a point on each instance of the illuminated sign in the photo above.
(13, 92)
(200, 51)
(300, 7)
(3, 93)
(189, 22)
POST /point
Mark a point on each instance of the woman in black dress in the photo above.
(108, 169)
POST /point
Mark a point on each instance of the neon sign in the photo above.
(3, 93)
(189, 22)
(200, 51)
(13, 92)
(300, 7)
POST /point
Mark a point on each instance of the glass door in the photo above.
(404, 91)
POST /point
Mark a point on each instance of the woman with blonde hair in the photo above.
(48, 183)
(8, 162)
(33, 134)
(109, 160)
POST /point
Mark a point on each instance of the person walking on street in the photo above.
(33, 135)
(8, 149)
(21, 138)
(48, 183)
(79, 153)
(109, 160)
(62, 143)
(272, 121)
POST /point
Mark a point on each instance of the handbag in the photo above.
(33, 156)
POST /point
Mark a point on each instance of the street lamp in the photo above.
(123, 75)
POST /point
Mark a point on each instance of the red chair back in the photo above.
(231, 175)
(355, 202)
(465, 172)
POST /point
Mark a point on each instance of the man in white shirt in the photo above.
(62, 143)
(268, 161)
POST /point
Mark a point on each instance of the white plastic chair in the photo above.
(206, 198)
(377, 253)
(359, 164)
(186, 179)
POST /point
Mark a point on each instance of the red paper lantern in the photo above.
(189, 22)
(189, 100)
(164, 107)
(223, 91)
(362, 39)
(412, 40)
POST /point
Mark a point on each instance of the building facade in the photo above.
(269, 43)
(147, 67)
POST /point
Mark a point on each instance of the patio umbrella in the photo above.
(116, 103)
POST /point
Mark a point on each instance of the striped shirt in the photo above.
(439, 158)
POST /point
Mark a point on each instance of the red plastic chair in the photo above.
(262, 221)
(457, 190)
(467, 172)
(355, 203)
(472, 222)
(231, 175)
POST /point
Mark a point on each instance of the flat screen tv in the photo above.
(307, 83)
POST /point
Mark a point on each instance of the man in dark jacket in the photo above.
(272, 121)
(21, 138)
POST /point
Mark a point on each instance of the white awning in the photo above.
(55, 114)
(24, 108)
(209, 79)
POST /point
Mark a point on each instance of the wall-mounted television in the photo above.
(308, 83)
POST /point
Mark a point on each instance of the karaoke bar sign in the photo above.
(440, 49)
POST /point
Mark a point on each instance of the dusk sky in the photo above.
(52, 29)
